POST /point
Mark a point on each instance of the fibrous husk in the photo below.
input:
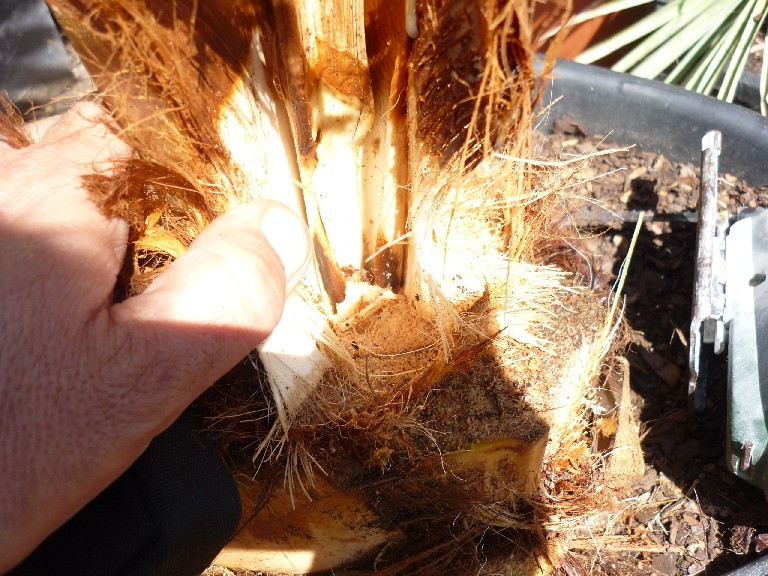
(429, 385)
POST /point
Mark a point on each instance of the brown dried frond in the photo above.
(165, 70)
(12, 129)
(472, 71)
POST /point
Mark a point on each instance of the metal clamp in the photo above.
(707, 333)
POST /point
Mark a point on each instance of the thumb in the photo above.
(219, 300)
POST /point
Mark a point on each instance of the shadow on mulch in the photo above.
(684, 448)
(689, 513)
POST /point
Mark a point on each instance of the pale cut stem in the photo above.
(252, 125)
(325, 72)
(292, 359)
(384, 171)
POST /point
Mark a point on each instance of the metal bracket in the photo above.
(730, 301)
(707, 333)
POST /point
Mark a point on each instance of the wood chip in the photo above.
(741, 538)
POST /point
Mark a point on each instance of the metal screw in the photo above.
(745, 463)
(756, 280)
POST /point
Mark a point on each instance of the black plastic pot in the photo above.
(659, 117)
(35, 67)
(748, 90)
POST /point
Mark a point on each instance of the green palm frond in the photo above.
(697, 44)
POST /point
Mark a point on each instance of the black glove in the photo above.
(170, 513)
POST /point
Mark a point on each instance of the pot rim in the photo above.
(656, 116)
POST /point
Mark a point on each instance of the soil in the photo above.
(688, 514)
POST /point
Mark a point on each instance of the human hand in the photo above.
(84, 384)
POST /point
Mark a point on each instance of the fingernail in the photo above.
(288, 235)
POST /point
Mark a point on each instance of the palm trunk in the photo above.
(430, 377)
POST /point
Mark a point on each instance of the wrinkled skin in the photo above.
(84, 384)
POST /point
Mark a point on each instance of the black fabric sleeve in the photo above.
(169, 514)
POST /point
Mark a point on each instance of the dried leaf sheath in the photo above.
(182, 80)
(210, 133)
(349, 125)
